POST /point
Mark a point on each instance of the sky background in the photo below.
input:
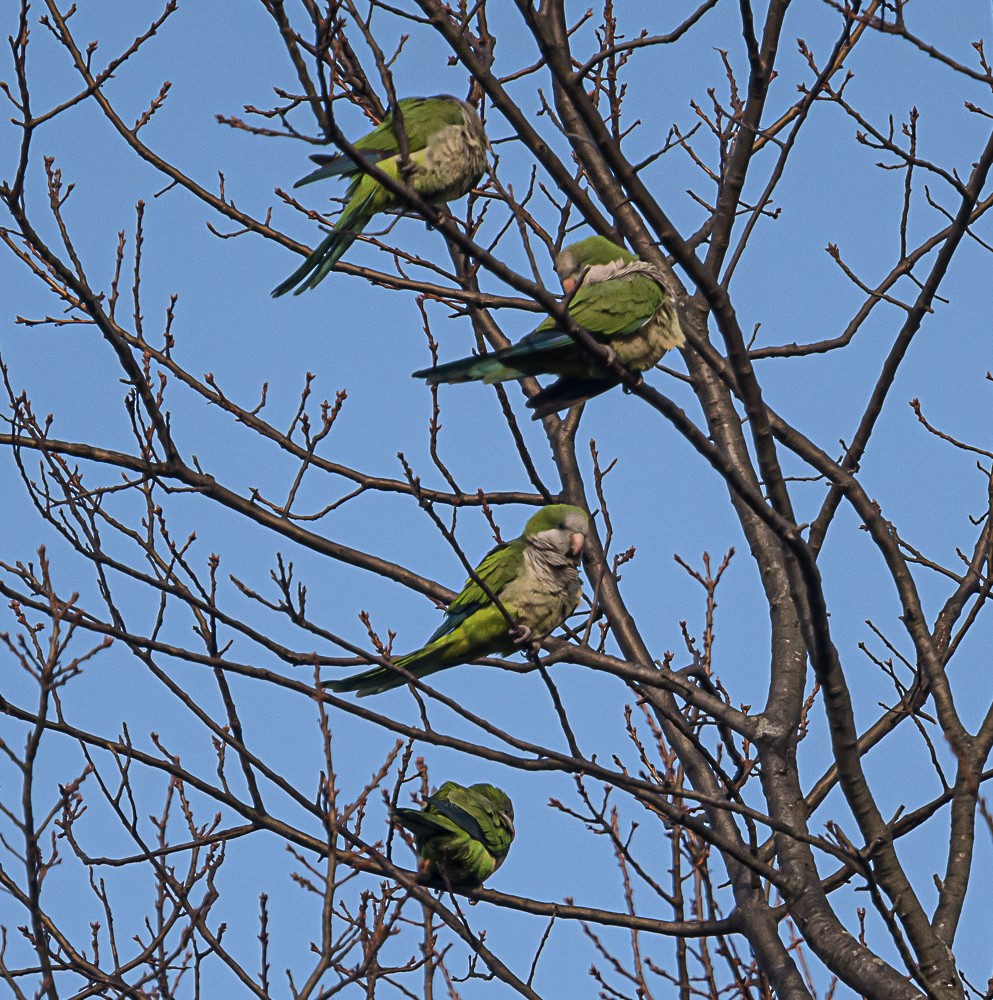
(663, 498)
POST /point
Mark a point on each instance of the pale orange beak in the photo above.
(576, 542)
(568, 285)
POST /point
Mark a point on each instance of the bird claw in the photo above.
(520, 634)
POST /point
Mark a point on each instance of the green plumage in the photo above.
(462, 834)
(619, 299)
(447, 150)
(535, 578)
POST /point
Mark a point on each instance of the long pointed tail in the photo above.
(380, 679)
(446, 651)
(327, 253)
(542, 350)
(484, 368)
(320, 262)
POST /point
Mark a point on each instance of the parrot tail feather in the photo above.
(380, 679)
(304, 271)
(320, 262)
(484, 368)
(328, 252)
(443, 652)
(565, 392)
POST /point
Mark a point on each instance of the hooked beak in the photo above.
(568, 285)
(576, 542)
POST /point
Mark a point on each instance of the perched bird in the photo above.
(535, 578)
(618, 298)
(446, 146)
(463, 834)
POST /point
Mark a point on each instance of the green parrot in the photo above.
(616, 297)
(535, 578)
(463, 834)
(447, 152)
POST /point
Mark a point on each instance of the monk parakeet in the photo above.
(535, 578)
(462, 833)
(617, 297)
(447, 150)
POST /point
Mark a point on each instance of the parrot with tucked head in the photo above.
(446, 147)
(535, 578)
(617, 297)
(463, 834)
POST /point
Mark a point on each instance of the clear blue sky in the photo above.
(664, 500)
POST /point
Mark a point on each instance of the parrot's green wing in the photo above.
(607, 309)
(501, 565)
(460, 816)
(477, 816)
(495, 813)
(615, 307)
(422, 117)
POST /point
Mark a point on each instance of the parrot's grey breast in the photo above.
(544, 593)
(454, 160)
